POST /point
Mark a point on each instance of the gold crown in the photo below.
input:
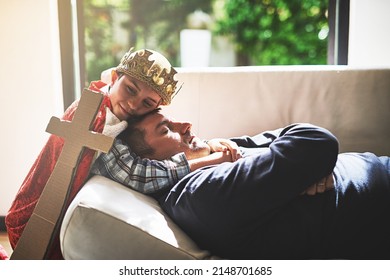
(153, 69)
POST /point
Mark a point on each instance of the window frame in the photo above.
(338, 38)
(70, 13)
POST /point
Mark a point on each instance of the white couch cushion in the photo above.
(109, 221)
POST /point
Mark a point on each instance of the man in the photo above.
(253, 208)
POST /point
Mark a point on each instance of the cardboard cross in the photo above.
(39, 231)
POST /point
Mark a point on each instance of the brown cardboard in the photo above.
(47, 214)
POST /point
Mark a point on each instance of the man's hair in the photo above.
(134, 136)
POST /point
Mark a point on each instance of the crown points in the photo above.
(152, 68)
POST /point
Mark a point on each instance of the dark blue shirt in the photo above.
(253, 208)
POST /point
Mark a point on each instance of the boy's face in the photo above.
(131, 97)
(168, 137)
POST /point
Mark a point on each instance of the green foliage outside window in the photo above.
(264, 32)
(101, 50)
(161, 21)
(276, 32)
(154, 24)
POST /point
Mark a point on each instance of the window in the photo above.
(96, 33)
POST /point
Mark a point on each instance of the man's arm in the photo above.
(301, 155)
(264, 139)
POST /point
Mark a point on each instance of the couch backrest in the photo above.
(224, 102)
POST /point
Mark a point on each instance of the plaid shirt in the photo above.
(144, 175)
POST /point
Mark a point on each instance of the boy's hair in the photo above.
(135, 136)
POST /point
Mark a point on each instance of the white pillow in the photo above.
(109, 221)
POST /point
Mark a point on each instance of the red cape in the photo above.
(33, 185)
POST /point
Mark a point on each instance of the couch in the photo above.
(109, 221)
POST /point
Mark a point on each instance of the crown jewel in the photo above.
(152, 68)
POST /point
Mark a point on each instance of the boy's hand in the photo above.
(224, 145)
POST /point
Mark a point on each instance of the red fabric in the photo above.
(33, 185)
(3, 253)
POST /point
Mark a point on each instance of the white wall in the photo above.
(369, 37)
(30, 82)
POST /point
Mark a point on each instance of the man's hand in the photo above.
(224, 145)
(321, 186)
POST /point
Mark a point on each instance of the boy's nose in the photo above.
(133, 106)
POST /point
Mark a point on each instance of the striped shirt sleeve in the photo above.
(144, 175)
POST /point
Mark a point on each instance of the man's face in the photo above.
(131, 97)
(169, 137)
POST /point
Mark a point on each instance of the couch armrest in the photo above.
(109, 221)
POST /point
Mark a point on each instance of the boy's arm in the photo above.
(212, 159)
(146, 176)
